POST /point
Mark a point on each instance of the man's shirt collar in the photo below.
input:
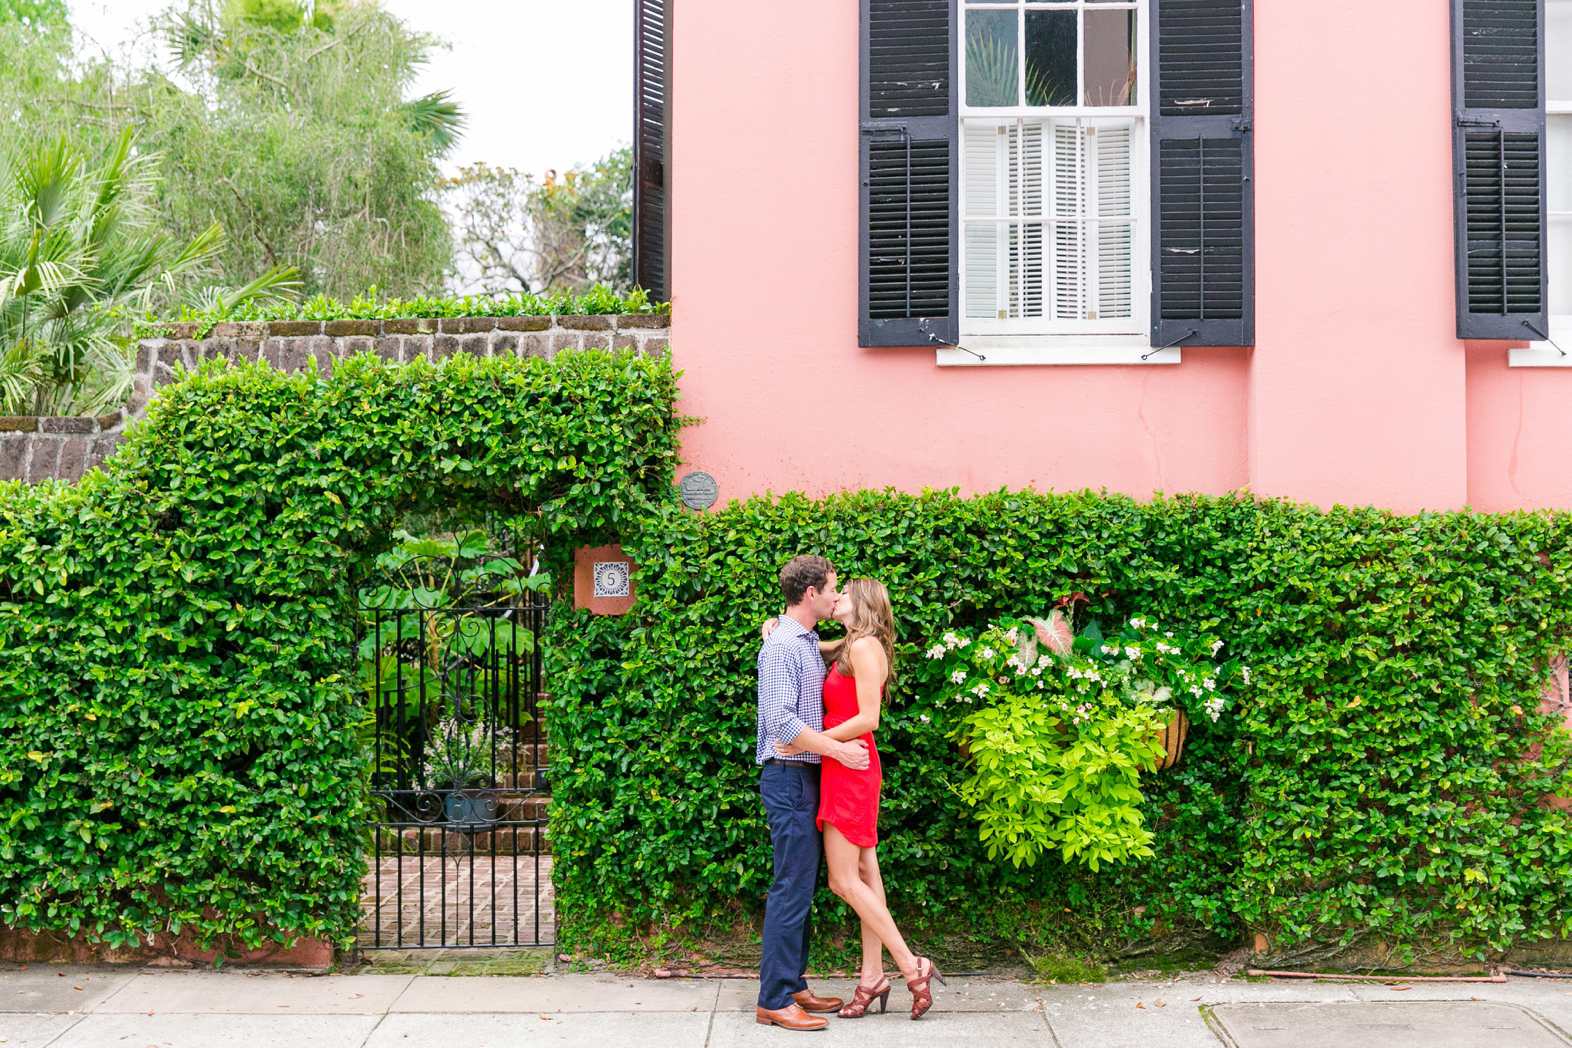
(793, 628)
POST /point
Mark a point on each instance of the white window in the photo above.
(1558, 157)
(1054, 174)
(1558, 190)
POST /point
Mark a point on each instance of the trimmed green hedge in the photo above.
(371, 306)
(177, 705)
(1381, 780)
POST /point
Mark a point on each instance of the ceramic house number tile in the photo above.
(603, 580)
(611, 579)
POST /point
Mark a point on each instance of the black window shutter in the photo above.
(1203, 203)
(651, 127)
(1498, 157)
(908, 271)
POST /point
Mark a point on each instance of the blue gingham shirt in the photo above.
(791, 689)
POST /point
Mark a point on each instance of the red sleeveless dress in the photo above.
(848, 800)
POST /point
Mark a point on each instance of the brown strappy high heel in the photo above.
(864, 997)
(922, 997)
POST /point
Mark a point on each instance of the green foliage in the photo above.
(370, 306)
(179, 711)
(436, 116)
(1380, 776)
(1038, 786)
(36, 15)
(281, 15)
(295, 133)
(78, 251)
(1058, 739)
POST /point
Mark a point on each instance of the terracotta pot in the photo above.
(1171, 737)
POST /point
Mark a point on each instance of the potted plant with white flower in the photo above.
(1059, 726)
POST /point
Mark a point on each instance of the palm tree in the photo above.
(79, 255)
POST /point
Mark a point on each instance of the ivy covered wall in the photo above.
(1378, 793)
(178, 704)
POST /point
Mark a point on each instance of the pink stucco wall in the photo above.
(1356, 392)
(1519, 432)
(1357, 378)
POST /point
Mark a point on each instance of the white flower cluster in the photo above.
(1012, 635)
(949, 642)
(958, 676)
(1213, 706)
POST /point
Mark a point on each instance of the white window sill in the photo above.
(1543, 354)
(1041, 350)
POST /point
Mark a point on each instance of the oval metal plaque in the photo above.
(699, 490)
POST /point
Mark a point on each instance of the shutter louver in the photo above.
(1499, 166)
(1203, 206)
(651, 125)
(909, 175)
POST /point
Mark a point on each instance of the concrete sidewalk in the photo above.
(76, 1007)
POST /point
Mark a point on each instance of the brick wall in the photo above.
(35, 449)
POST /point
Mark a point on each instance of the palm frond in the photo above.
(45, 178)
(278, 284)
(19, 376)
(201, 248)
(437, 117)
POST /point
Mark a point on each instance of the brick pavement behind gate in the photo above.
(458, 900)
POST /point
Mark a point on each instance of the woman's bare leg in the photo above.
(872, 947)
(844, 860)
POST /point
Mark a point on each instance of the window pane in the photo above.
(1049, 228)
(983, 245)
(1558, 154)
(1050, 57)
(1558, 50)
(1110, 58)
(992, 57)
(1561, 266)
(1558, 158)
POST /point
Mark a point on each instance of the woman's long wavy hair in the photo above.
(872, 618)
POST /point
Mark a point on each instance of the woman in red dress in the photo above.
(849, 800)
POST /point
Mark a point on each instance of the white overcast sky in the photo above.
(545, 83)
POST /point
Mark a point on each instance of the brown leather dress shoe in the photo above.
(790, 1017)
(810, 1003)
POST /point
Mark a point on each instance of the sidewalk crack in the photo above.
(375, 1027)
(55, 1039)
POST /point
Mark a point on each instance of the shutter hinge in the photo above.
(1240, 123)
(1463, 121)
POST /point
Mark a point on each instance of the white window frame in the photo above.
(1045, 340)
(1556, 353)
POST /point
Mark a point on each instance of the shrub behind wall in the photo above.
(1381, 779)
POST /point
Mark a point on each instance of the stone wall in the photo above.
(34, 449)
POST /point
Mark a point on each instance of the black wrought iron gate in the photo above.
(459, 780)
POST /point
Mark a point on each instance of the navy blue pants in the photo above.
(791, 801)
